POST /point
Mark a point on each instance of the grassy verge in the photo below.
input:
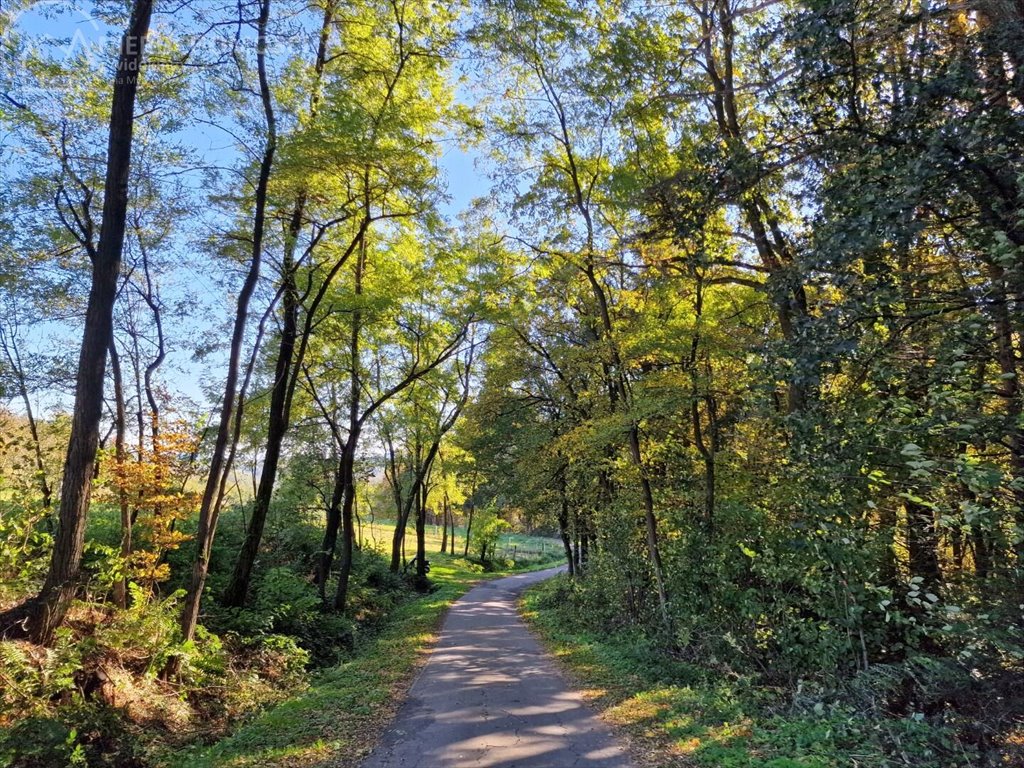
(339, 716)
(679, 715)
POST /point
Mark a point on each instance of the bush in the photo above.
(286, 600)
(85, 735)
(34, 676)
(378, 574)
(40, 742)
(142, 638)
(24, 543)
(284, 606)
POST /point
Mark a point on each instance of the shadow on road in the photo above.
(490, 697)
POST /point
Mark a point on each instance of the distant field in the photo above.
(378, 536)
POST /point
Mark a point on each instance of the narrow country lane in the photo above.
(490, 697)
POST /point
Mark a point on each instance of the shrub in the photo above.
(41, 742)
(84, 735)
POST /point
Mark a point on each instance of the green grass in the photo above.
(336, 720)
(683, 715)
(378, 533)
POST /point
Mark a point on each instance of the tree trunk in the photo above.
(770, 242)
(347, 530)
(582, 543)
(922, 543)
(708, 455)
(563, 521)
(956, 543)
(398, 541)
(330, 541)
(469, 526)
(121, 585)
(287, 363)
(444, 525)
(354, 426)
(210, 507)
(345, 561)
(40, 616)
(277, 426)
(1010, 390)
(982, 555)
(577, 558)
(651, 525)
(359, 522)
(421, 538)
(887, 531)
(402, 521)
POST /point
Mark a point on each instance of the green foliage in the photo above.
(283, 599)
(24, 540)
(143, 637)
(742, 320)
(286, 616)
(760, 359)
(487, 530)
(32, 680)
(670, 704)
(84, 735)
(41, 742)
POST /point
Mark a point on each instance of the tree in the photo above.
(379, 174)
(394, 341)
(213, 491)
(40, 617)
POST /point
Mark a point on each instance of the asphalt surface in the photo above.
(490, 697)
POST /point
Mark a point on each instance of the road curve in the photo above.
(490, 697)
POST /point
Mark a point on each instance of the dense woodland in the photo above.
(736, 314)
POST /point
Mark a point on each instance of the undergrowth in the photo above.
(688, 713)
(281, 679)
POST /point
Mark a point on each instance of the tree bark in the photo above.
(563, 520)
(347, 527)
(469, 526)
(120, 457)
(707, 453)
(39, 617)
(330, 540)
(448, 521)
(354, 426)
(287, 363)
(277, 426)
(651, 526)
(421, 536)
(398, 536)
(209, 510)
(444, 525)
(922, 543)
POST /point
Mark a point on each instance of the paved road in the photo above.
(489, 697)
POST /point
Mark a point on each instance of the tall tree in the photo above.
(212, 493)
(373, 142)
(287, 364)
(39, 617)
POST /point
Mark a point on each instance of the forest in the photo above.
(314, 313)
